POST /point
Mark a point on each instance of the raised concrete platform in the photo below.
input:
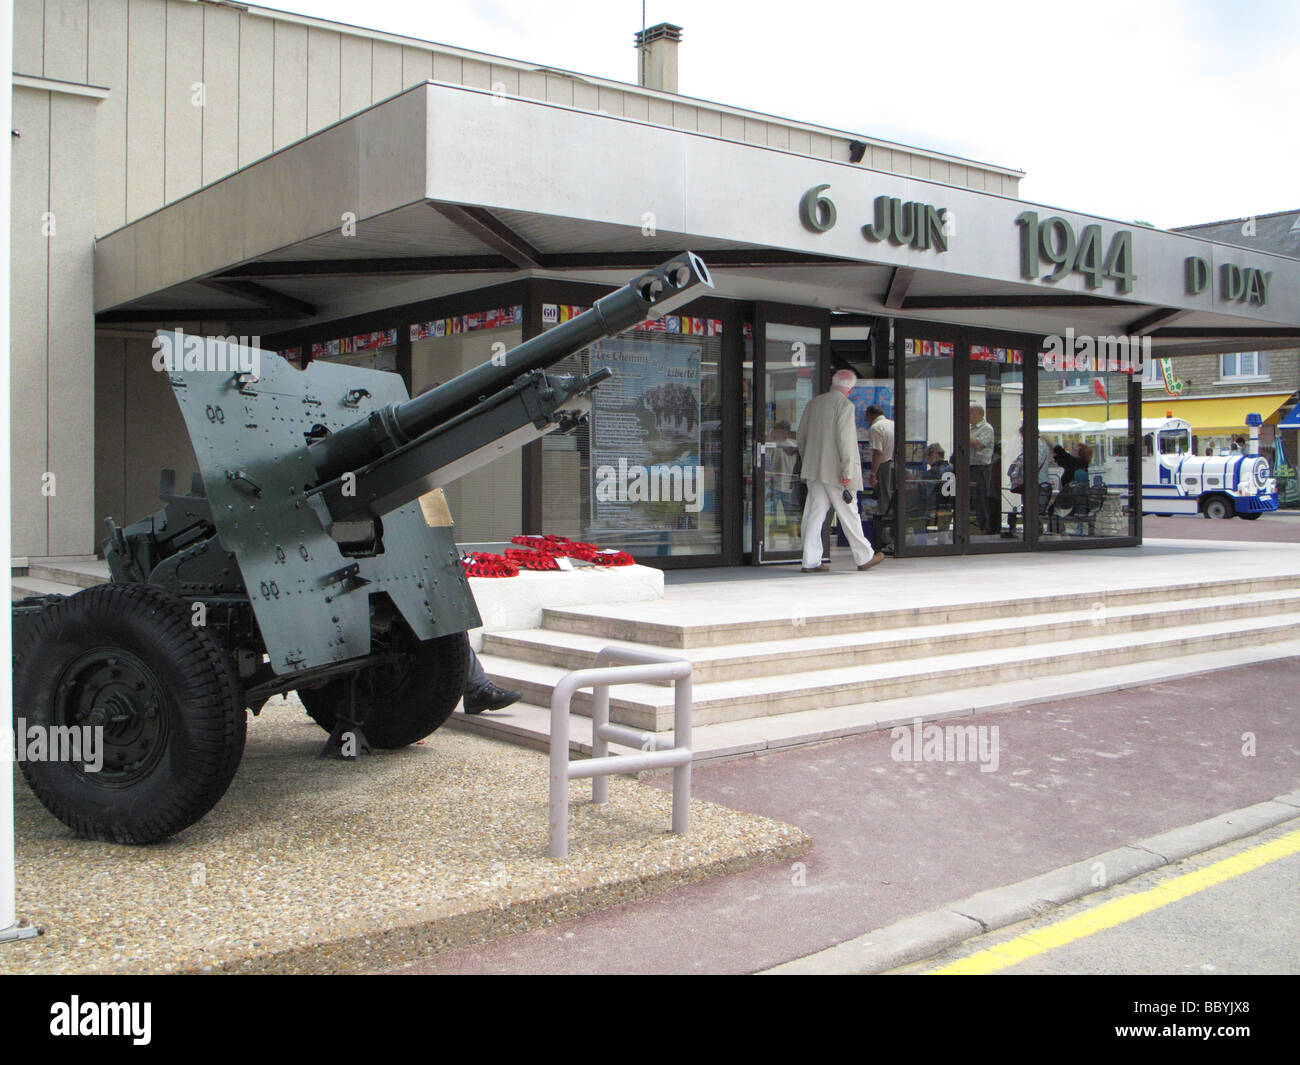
(519, 602)
(784, 658)
(323, 866)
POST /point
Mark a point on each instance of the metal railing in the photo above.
(656, 752)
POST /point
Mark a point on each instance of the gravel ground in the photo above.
(312, 865)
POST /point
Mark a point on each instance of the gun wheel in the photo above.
(403, 700)
(144, 707)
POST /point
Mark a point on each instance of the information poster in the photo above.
(645, 435)
(869, 393)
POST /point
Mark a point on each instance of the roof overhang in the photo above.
(443, 188)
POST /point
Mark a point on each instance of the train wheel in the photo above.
(145, 707)
(1219, 507)
(402, 700)
(1249, 517)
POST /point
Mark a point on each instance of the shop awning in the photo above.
(1227, 414)
(1292, 420)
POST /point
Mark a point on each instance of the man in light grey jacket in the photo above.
(828, 444)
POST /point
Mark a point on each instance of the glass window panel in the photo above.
(997, 465)
(929, 481)
(791, 355)
(485, 504)
(1091, 493)
(643, 473)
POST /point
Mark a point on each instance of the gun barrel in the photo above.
(650, 295)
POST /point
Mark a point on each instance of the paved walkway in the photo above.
(893, 839)
(742, 594)
(1279, 527)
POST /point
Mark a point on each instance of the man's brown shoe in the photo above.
(875, 560)
(816, 569)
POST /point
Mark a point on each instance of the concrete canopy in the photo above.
(444, 188)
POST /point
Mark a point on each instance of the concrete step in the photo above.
(529, 724)
(78, 574)
(21, 587)
(649, 706)
(802, 654)
(774, 621)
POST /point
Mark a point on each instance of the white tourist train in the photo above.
(1174, 480)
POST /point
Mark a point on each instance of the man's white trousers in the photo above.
(821, 497)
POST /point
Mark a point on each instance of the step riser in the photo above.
(709, 712)
(896, 650)
(683, 637)
(64, 576)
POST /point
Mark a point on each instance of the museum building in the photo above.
(334, 193)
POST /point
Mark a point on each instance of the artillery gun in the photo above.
(313, 553)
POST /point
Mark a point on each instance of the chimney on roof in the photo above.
(657, 56)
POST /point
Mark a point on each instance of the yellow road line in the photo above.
(1117, 911)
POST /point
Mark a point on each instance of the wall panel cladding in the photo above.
(71, 372)
(323, 75)
(29, 37)
(386, 70)
(637, 107)
(65, 39)
(586, 96)
(355, 76)
(107, 66)
(447, 68)
(532, 84)
(417, 66)
(183, 107)
(289, 114)
(505, 80)
(256, 88)
(475, 74)
(146, 94)
(29, 322)
(660, 112)
(221, 64)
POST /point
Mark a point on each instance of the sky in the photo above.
(1170, 112)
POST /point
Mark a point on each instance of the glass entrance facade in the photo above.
(983, 472)
(688, 456)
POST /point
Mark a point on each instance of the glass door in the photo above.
(1002, 498)
(934, 460)
(787, 374)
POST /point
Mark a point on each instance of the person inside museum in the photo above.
(880, 441)
(937, 504)
(982, 438)
(832, 468)
(1074, 476)
(1016, 475)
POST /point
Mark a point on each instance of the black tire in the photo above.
(1219, 507)
(1249, 517)
(128, 659)
(400, 703)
